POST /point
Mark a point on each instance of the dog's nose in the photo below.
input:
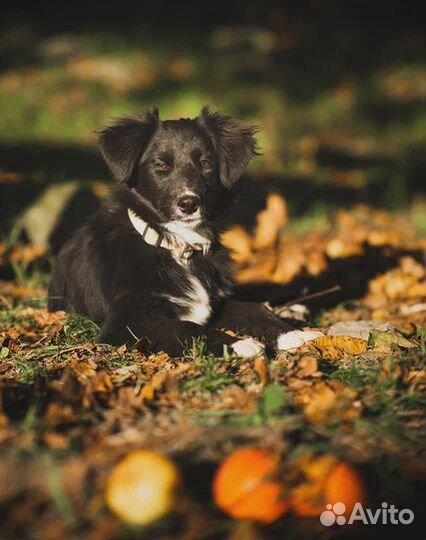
(189, 204)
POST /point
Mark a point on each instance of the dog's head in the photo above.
(182, 167)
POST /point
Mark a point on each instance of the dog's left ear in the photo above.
(234, 143)
(123, 143)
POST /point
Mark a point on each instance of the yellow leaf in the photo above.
(335, 347)
(157, 383)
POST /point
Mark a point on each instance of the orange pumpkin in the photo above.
(243, 487)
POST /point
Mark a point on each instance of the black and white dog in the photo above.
(148, 263)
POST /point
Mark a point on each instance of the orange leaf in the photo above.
(335, 347)
(238, 241)
(270, 221)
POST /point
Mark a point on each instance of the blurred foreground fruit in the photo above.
(244, 489)
(328, 481)
(141, 488)
(345, 485)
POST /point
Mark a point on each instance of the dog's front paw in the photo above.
(247, 348)
(295, 339)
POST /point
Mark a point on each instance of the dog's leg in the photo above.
(253, 319)
(164, 334)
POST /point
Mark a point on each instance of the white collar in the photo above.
(177, 237)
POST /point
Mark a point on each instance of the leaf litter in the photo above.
(72, 408)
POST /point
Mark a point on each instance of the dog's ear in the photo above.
(234, 143)
(123, 143)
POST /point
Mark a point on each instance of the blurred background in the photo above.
(338, 89)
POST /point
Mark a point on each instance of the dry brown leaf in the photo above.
(410, 266)
(308, 366)
(325, 403)
(157, 383)
(290, 263)
(384, 238)
(260, 270)
(335, 347)
(26, 254)
(405, 282)
(270, 221)
(319, 402)
(418, 290)
(84, 370)
(238, 241)
(60, 415)
(340, 248)
(163, 379)
(316, 263)
(101, 383)
(56, 441)
(262, 369)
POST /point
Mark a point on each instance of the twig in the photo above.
(336, 288)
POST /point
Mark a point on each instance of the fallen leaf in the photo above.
(417, 290)
(262, 369)
(340, 248)
(56, 441)
(270, 222)
(335, 347)
(238, 241)
(290, 263)
(157, 383)
(27, 254)
(308, 366)
(260, 269)
(386, 340)
(319, 402)
(328, 403)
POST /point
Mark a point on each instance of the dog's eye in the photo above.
(161, 166)
(206, 163)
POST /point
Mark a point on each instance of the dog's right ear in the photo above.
(123, 143)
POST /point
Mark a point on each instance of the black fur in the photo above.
(109, 273)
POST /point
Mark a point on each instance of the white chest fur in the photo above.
(195, 302)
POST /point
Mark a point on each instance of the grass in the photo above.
(78, 330)
(356, 376)
(213, 372)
